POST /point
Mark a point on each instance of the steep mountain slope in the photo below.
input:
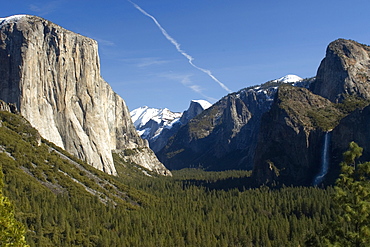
(195, 108)
(52, 76)
(158, 125)
(225, 135)
(353, 127)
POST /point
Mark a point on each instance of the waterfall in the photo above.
(324, 160)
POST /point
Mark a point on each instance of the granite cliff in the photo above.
(52, 76)
(344, 71)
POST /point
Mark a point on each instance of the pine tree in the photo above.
(11, 231)
(352, 198)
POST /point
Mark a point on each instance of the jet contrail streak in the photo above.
(178, 48)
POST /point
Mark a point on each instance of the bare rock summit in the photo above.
(345, 70)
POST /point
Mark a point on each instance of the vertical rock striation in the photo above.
(53, 77)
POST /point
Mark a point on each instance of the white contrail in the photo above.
(177, 45)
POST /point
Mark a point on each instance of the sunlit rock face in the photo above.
(344, 71)
(53, 77)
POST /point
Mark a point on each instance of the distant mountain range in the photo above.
(158, 125)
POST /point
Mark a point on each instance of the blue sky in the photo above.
(239, 42)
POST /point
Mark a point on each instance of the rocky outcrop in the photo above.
(195, 108)
(145, 158)
(8, 107)
(53, 77)
(291, 141)
(344, 70)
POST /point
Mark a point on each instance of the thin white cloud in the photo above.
(104, 42)
(196, 88)
(178, 48)
(149, 61)
(45, 8)
(144, 61)
(187, 82)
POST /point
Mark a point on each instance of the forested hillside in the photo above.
(64, 202)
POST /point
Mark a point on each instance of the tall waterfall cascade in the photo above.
(324, 160)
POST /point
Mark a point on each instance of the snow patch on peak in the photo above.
(12, 18)
(289, 79)
(142, 115)
(203, 103)
(158, 125)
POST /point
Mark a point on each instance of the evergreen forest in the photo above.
(61, 201)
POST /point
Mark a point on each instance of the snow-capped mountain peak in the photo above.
(11, 19)
(289, 79)
(142, 115)
(157, 125)
(205, 104)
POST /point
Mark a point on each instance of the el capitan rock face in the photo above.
(53, 77)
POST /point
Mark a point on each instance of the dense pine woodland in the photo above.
(61, 201)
